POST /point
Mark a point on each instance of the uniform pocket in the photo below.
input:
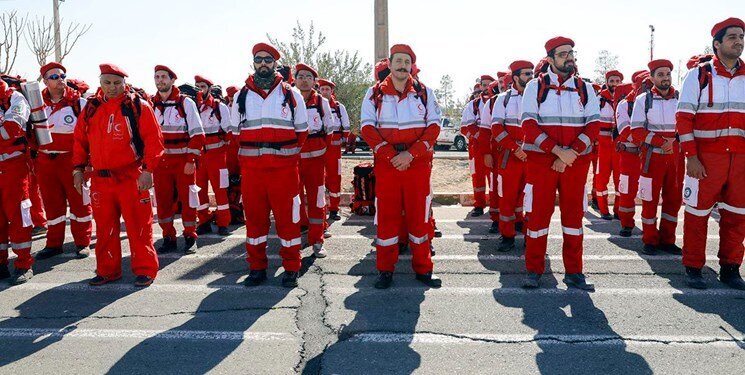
(623, 184)
(528, 199)
(224, 179)
(26, 213)
(194, 196)
(296, 209)
(690, 191)
(499, 185)
(645, 189)
(321, 197)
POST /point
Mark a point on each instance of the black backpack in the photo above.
(363, 200)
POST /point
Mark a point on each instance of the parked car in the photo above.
(450, 136)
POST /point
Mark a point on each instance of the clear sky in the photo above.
(464, 38)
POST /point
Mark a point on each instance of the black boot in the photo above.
(204, 228)
(190, 245)
(477, 211)
(730, 275)
(577, 280)
(402, 248)
(507, 244)
(289, 280)
(21, 276)
(531, 280)
(519, 226)
(694, 278)
(82, 252)
(255, 277)
(594, 204)
(671, 248)
(649, 249)
(384, 280)
(494, 228)
(334, 215)
(48, 252)
(4, 273)
(168, 245)
(431, 250)
(625, 232)
(438, 233)
(608, 217)
(429, 280)
(615, 216)
(223, 231)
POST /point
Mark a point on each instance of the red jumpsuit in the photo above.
(479, 172)
(104, 142)
(333, 154)
(607, 163)
(629, 164)
(486, 145)
(212, 167)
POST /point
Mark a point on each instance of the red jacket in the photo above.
(14, 113)
(62, 116)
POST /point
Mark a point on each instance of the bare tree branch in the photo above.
(12, 27)
(74, 32)
(40, 39)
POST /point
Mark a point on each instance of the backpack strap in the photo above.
(581, 90)
(289, 99)
(648, 99)
(704, 79)
(507, 98)
(544, 81)
(131, 109)
(216, 110)
(242, 103)
(421, 93)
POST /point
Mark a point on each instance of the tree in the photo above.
(346, 69)
(12, 28)
(446, 98)
(604, 63)
(40, 38)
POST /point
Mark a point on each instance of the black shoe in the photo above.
(649, 249)
(625, 232)
(38, 230)
(730, 275)
(403, 247)
(48, 252)
(577, 280)
(303, 229)
(671, 248)
(606, 217)
(223, 231)
(507, 244)
(289, 280)
(143, 281)
(429, 280)
(594, 204)
(168, 245)
(431, 250)
(519, 226)
(204, 228)
(477, 211)
(334, 215)
(438, 233)
(4, 273)
(384, 280)
(100, 280)
(190, 245)
(255, 277)
(531, 280)
(21, 276)
(616, 217)
(694, 278)
(82, 252)
(494, 228)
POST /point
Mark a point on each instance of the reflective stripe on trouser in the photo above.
(479, 176)
(630, 166)
(724, 182)
(272, 190)
(512, 179)
(172, 186)
(403, 191)
(115, 199)
(313, 190)
(15, 232)
(333, 176)
(212, 168)
(666, 172)
(607, 164)
(544, 184)
(57, 190)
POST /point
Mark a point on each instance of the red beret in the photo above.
(557, 42)
(477, 86)
(729, 22)
(266, 48)
(622, 90)
(403, 48)
(325, 82)
(231, 90)
(596, 86)
(198, 78)
(659, 63)
(78, 85)
(636, 74)
(301, 66)
(698, 59)
(167, 69)
(415, 70)
(518, 65)
(638, 79)
(112, 69)
(52, 65)
(487, 77)
(501, 74)
(613, 73)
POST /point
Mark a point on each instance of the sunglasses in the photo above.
(265, 59)
(56, 76)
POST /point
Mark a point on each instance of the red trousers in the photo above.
(724, 183)
(409, 192)
(510, 187)
(113, 198)
(38, 215)
(479, 176)
(15, 213)
(212, 168)
(630, 167)
(272, 190)
(666, 174)
(493, 181)
(170, 184)
(54, 174)
(313, 190)
(542, 183)
(333, 176)
(607, 165)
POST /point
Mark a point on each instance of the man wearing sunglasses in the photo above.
(212, 167)
(271, 123)
(53, 166)
(560, 120)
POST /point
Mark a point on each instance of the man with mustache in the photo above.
(711, 126)
(606, 164)
(560, 121)
(653, 129)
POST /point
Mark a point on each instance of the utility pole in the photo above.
(381, 30)
(57, 39)
(651, 42)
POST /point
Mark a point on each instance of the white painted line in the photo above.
(156, 287)
(85, 333)
(475, 291)
(541, 339)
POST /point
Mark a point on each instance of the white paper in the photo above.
(224, 179)
(86, 194)
(194, 196)
(321, 197)
(26, 213)
(623, 184)
(645, 189)
(296, 209)
(499, 186)
(427, 204)
(528, 199)
(690, 191)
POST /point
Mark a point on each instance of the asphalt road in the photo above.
(198, 317)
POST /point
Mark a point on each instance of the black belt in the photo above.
(103, 173)
(400, 147)
(214, 134)
(175, 141)
(52, 155)
(317, 135)
(274, 145)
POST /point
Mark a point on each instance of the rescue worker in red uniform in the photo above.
(212, 166)
(479, 172)
(119, 137)
(607, 158)
(15, 206)
(510, 161)
(400, 120)
(560, 121)
(183, 137)
(653, 130)
(53, 166)
(711, 126)
(486, 150)
(333, 150)
(271, 122)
